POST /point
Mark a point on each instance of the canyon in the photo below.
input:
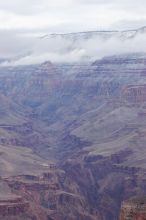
(72, 139)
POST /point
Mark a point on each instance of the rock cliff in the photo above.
(134, 209)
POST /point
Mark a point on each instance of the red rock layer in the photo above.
(134, 209)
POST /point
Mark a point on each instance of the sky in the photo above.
(71, 15)
(23, 21)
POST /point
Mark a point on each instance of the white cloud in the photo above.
(60, 49)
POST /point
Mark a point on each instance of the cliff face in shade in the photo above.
(134, 209)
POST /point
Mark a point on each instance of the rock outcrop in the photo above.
(135, 94)
(133, 209)
(12, 206)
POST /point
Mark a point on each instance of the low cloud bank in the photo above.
(24, 50)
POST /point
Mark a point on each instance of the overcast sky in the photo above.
(71, 15)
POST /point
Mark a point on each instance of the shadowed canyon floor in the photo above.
(72, 139)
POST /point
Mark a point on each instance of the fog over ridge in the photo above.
(70, 47)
